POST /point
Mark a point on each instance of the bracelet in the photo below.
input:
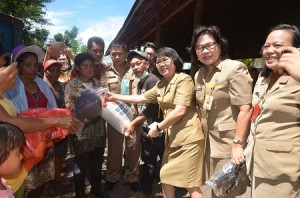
(158, 128)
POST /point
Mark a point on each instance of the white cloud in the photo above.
(58, 20)
(106, 29)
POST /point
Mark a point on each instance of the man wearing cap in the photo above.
(118, 78)
(148, 113)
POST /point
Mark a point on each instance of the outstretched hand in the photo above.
(73, 125)
(109, 96)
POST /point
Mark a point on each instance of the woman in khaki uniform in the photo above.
(184, 143)
(223, 94)
(274, 143)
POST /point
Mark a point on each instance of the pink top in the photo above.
(6, 193)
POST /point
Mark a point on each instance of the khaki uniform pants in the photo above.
(115, 155)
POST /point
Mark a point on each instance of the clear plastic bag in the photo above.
(227, 179)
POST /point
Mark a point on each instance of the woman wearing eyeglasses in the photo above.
(184, 142)
(223, 96)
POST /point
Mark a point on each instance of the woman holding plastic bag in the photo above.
(223, 96)
(184, 145)
(90, 142)
(8, 111)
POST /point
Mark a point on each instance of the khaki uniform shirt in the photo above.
(113, 80)
(230, 84)
(180, 91)
(274, 141)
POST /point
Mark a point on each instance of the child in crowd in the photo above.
(11, 141)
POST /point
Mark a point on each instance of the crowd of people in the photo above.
(193, 124)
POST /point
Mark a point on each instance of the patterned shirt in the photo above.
(93, 132)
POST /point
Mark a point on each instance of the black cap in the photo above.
(133, 53)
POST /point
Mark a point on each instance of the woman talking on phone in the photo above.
(274, 142)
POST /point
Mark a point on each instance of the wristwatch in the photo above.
(237, 140)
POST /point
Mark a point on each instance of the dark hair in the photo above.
(169, 52)
(117, 44)
(214, 31)
(97, 40)
(83, 57)
(11, 137)
(149, 45)
(294, 31)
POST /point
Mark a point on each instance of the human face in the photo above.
(272, 49)
(207, 50)
(53, 72)
(12, 163)
(29, 68)
(96, 51)
(86, 70)
(118, 56)
(165, 66)
(150, 52)
(63, 60)
(138, 66)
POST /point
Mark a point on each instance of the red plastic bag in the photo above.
(34, 146)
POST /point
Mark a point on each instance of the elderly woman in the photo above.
(184, 142)
(275, 126)
(90, 142)
(31, 92)
(223, 94)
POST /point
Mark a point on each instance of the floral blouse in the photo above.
(93, 134)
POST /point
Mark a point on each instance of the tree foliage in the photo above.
(69, 38)
(248, 62)
(32, 13)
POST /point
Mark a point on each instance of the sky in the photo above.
(102, 18)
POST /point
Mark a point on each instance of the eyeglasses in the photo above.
(163, 61)
(209, 46)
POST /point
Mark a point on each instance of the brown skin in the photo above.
(7, 81)
(8, 77)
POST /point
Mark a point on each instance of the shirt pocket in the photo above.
(113, 84)
(279, 158)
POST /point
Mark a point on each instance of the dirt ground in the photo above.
(122, 189)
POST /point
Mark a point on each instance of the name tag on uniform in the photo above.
(208, 102)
